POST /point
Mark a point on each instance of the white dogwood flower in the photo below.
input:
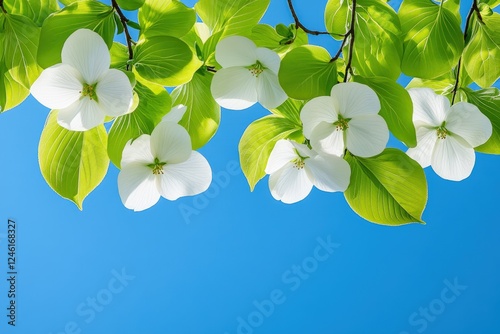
(347, 118)
(248, 75)
(161, 164)
(447, 135)
(83, 88)
(294, 169)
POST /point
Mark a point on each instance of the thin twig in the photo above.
(350, 35)
(124, 20)
(300, 25)
(474, 8)
(2, 7)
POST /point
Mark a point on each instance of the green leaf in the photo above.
(442, 85)
(290, 109)
(307, 72)
(491, 3)
(488, 102)
(378, 46)
(20, 45)
(231, 17)
(166, 18)
(266, 36)
(337, 18)
(37, 11)
(12, 93)
(433, 39)
(482, 54)
(388, 189)
(165, 60)
(58, 27)
(119, 56)
(258, 141)
(396, 107)
(130, 4)
(202, 117)
(73, 163)
(154, 103)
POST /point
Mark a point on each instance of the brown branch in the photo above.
(124, 20)
(350, 34)
(300, 25)
(474, 9)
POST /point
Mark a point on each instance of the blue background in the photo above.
(207, 272)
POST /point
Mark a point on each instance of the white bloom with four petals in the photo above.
(83, 88)
(294, 169)
(161, 164)
(347, 118)
(447, 135)
(249, 74)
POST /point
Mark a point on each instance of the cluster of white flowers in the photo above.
(83, 90)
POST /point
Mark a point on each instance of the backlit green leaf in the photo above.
(165, 60)
(258, 141)
(58, 27)
(307, 72)
(166, 18)
(387, 189)
(202, 117)
(433, 39)
(73, 163)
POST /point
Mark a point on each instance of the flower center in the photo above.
(89, 90)
(256, 69)
(157, 167)
(442, 132)
(342, 124)
(299, 162)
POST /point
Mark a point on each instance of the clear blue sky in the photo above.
(243, 262)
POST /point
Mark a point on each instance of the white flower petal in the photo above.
(170, 143)
(330, 173)
(137, 151)
(326, 138)
(453, 159)
(269, 92)
(86, 51)
(269, 59)
(175, 114)
(428, 108)
(367, 135)
(82, 115)
(467, 121)
(236, 51)
(187, 178)
(355, 99)
(290, 184)
(234, 88)
(137, 187)
(320, 109)
(282, 153)
(58, 86)
(426, 140)
(114, 93)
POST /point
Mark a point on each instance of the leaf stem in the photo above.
(350, 35)
(124, 20)
(473, 8)
(2, 7)
(300, 25)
